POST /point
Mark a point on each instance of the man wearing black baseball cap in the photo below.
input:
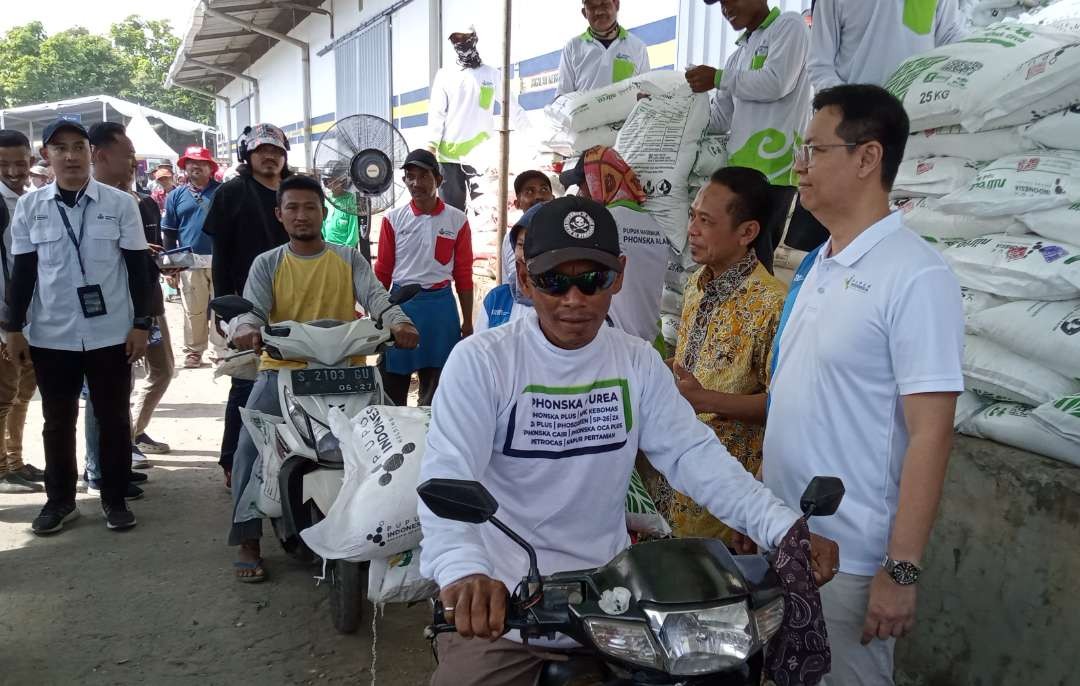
(549, 413)
(427, 243)
(79, 308)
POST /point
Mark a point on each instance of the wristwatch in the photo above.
(142, 323)
(903, 573)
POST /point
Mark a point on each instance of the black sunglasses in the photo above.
(557, 283)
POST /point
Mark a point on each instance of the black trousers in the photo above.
(238, 397)
(60, 376)
(397, 386)
(454, 190)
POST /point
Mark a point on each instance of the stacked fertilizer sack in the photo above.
(662, 138)
(981, 13)
(992, 176)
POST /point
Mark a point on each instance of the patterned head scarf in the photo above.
(609, 178)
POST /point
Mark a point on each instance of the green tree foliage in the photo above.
(130, 63)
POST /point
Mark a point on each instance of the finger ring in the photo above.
(448, 609)
(835, 570)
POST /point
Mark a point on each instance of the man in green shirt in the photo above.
(342, 223)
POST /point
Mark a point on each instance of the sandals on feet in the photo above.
(258, 575)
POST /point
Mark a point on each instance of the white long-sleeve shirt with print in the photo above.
(586, 64)
(553, 435)
(855, 41)
(764, 97)
(461, 115)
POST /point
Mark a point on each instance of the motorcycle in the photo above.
(312, 463)
(667, 612)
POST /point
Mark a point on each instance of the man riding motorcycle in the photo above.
(549, 413)
(304, 280)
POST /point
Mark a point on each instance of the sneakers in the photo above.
(17, 483)
(149, 446)
(93, 487)
(138, 460)
(53, 517)
(32, 473)
(138, 478)
(118, 517)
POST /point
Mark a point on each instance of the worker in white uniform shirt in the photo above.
(563, 478)
(762, 99)
(866, 371)
(605, 54)
(855, 41)
(461, 118)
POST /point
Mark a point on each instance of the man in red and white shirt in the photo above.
(427, 243)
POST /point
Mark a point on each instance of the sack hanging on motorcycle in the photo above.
(262, 496)
(374, 515)
(397, 579)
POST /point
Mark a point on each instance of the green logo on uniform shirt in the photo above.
(770, 152)
(919, 15)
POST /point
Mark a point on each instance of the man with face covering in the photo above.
(605, 54)
(463, 98)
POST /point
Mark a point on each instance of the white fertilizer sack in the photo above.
(375, 513)
(977, 301)
(997, 373)
(571, 143)
(397, 579)
(1018, 267)
(1058, 224)
(1018, 184)
(1061, 417)
(941, 87)
(922, 216)
(1035, 88)
(933, 176)
(712, 155)
(1045, 332)
(1012, 424)
(1060, 131)
(611, 104)
(953, 141)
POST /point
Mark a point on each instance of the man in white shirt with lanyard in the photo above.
(79, 290)
(549, 413)
(605, 54)
(866, 373)
(854, 41)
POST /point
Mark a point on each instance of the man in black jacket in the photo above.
(243, 225)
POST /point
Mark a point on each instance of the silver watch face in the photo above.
(904, 573)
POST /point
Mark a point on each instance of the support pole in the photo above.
(169, 83)
(504, 141)
(305, 59)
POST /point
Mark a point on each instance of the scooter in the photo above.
(312, 464)
(667, 612)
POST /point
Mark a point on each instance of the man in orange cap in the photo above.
(182, 226)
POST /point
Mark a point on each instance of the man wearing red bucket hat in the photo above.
(182, 226)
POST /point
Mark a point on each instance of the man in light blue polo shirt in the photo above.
(185, 212)
(866, 374)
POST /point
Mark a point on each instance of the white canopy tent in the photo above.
(149, 144)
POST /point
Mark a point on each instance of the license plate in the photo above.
(343, 381)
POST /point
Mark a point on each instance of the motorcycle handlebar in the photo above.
(440, 625)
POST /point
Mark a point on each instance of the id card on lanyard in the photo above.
(90, 296)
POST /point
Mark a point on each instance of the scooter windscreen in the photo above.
(681, 607)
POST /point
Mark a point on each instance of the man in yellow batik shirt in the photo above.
(731, 310)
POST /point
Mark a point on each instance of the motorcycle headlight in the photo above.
(768, 619)
(629, 641)
(299, 419)
(704, 641)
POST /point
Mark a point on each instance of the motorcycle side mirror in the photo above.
(405, 293)
(460, 501)
(822, 496)
(469, 501)
(228, 307)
